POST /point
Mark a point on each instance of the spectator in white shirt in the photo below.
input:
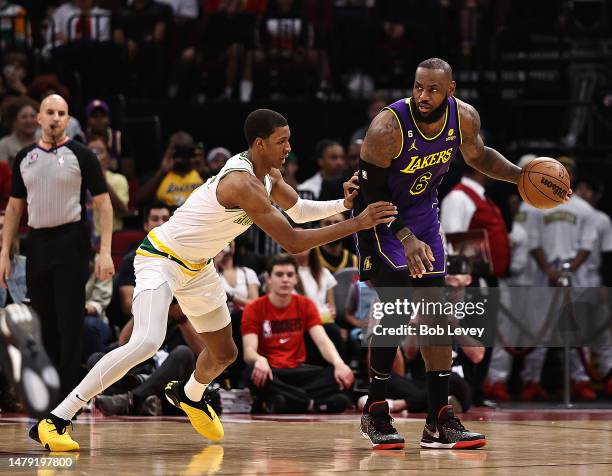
(240, 283)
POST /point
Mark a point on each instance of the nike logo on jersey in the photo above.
(284, 341)
(444, 375)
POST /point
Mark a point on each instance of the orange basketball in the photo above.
(544, 183)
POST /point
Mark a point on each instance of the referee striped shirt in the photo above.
(54, 183)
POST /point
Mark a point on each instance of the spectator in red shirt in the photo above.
(273, 331)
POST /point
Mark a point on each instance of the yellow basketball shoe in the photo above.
(201, 414)
(52, 433)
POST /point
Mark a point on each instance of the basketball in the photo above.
(544, 183)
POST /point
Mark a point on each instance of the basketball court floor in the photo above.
(521, 442)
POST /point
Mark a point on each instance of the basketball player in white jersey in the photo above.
(175, 259)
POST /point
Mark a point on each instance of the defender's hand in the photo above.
(418, 255)
(375, 213)
(351, 187)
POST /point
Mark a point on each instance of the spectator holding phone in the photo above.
(177, 175)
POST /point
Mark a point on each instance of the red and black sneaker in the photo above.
(377, 426)
(448, 432)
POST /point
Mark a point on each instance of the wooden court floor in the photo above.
(520, 443)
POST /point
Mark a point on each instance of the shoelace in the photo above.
(455, 423)
(384, 424)
(61, 430)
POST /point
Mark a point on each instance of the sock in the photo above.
(68, 408)
(381, 362)
(194, 389)
(437, 392)
(246, 90)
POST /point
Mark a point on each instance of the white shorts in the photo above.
(198, 294)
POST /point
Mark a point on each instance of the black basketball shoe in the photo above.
(448, 432)
(25, 361)
(377, 426)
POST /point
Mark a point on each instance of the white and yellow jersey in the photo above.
(202, 227)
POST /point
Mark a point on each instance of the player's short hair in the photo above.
(437, 63)
(261, 123)
(281, 259)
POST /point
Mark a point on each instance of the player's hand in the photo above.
(104, 267)
(344, 376)
(375, 213)
(351, 187)
(261, 372)
(5, 269)
(418, 255)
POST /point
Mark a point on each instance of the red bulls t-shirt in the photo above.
(280, 332)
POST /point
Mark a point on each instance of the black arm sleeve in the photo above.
(18, 188)
(373, 181)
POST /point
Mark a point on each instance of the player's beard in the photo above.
(434, 115)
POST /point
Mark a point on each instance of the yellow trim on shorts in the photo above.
(405, 265)
(142, 252)
(401, 266)
(161, 247)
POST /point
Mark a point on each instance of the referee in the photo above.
(52, 177)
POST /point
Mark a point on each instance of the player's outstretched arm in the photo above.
(477, 155)
(301, 210)
(239, 189)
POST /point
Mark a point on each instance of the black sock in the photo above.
(437, 392)
(381, 362)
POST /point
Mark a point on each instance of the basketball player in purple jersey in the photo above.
(406, 153)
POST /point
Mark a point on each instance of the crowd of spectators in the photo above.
(234, 49)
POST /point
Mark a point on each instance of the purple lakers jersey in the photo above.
(414, 178)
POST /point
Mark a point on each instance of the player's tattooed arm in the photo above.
(383, 141)
(477, 155)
